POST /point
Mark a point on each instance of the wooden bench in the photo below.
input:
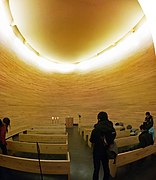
(46, 131)
(82, 128)
(45, 148)
(49, 127)
(59, 167)
(87, 132)
(16, 130)
(120, 141)
(127, 141)
(85, 126)
(32, 165)
(44, 138)
(88, 141)
(124, 133)
(129, 157)
(118, 128)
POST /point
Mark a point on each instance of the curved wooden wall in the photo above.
(125, 91)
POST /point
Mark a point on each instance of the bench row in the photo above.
(48, 144)
(124, 140)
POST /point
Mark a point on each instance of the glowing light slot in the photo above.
(122, 49)
(149, 9)
(117, 52)
(30, 57)
(55, 67)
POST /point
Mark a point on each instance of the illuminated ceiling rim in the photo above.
(16, 29)
(49, 66)
(60, 32)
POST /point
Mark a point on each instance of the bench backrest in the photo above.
(16, 130)
(52, 138)
(32, 165)
(124, 133)
(131, 156)
(49, 127)
(46, 131)
(126, 141)
(45, 148)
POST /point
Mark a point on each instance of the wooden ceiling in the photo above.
(74, 30)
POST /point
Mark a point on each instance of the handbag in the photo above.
(112, 151)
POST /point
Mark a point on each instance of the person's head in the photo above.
(6, 121)
(129, 126)
(102, 116)
(147, 114)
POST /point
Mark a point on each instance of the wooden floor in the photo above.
(82, 166)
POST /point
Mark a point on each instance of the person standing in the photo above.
(3, 131)
(103, 131)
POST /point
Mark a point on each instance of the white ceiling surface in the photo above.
(74, 30)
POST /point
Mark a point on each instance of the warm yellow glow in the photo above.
(149, 9)
(120, 50)
(30, 57)
(5, 27)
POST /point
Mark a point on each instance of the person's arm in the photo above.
(92, 137)
(3, 134)
(149, 123)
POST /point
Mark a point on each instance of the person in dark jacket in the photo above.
(145, 138)
(148, 120)
(103, 130)
(148, 123)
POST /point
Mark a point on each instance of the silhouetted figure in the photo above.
(103, 130)
(145, 139)
(148, 123)
(3, 130)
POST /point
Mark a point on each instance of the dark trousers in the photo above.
(4, 148)
(97, 158)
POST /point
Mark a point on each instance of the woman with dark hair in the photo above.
(103, 131)
(3, 131)
(6, 121)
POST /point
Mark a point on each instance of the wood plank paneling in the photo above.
(125, 90)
